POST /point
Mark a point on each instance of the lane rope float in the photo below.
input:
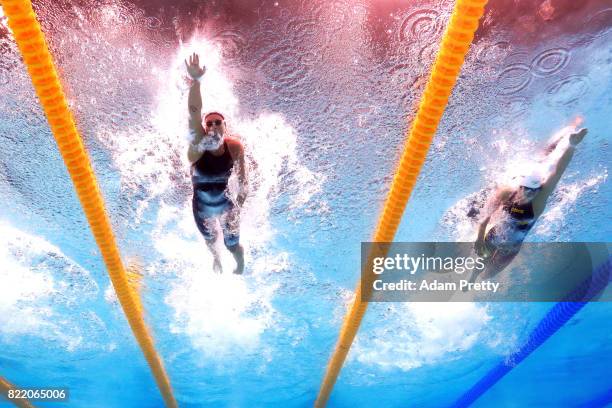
(449, 60)
(554, 320)
(37, 58)
(5, 387)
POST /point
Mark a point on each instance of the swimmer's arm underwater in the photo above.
(479, 244)
(242, 179)
(194, 102)
(237, 151)
(482, 228)
(500, 196)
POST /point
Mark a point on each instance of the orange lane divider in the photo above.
(37, 58)
(454, 46)
(5, 387)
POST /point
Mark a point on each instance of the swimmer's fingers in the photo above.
(193, 66)
(189, 63)
(193, 60)
(241, 198)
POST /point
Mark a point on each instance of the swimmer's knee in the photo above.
(231, 238)
(208, 234)
(232, 245)
(206, 226)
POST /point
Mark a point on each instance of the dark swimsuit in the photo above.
(508, 234)
(522, 215)
(209, 176)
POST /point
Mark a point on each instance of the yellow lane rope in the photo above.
(455, 44)
(5, 386)
(37, 58)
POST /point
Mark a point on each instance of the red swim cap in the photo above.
(214, 113)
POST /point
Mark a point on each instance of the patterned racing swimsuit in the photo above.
(209, 176)
(510, 231)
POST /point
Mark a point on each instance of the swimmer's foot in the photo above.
(238, 252)
(217, 268)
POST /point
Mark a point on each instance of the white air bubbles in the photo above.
(555, 217)
(3, 19)
(422, 334)
(492, 53)
(37, 281)
(219, 314)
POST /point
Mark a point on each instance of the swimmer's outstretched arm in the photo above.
(194, 102)
(562, 161)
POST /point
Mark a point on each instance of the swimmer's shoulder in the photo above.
(503, 193)
(235, 146)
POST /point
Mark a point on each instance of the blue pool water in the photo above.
(321, 93)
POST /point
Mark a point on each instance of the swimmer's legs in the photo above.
(206, 226)
(210, 243)
(231, 237)
(238, 253)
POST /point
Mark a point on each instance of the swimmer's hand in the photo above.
(577, 137)
(193, 67)
(241, 198)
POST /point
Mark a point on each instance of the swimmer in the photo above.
(512, 212)
(214, 156)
